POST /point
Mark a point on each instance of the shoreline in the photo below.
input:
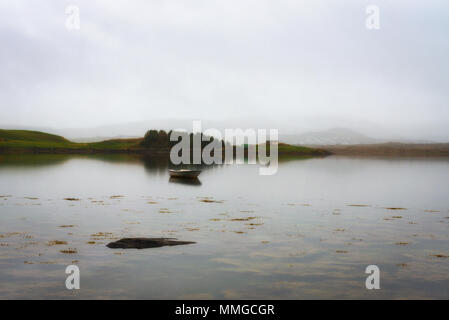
(142, 151)
(386, 150)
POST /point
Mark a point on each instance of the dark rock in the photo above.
(143, 243)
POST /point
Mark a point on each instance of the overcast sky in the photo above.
(279, 60)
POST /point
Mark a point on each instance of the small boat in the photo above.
(184, 173)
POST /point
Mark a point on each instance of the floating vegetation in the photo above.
(341, 251)
(440, 255)
(192, 229)
(402, 265)
(254, 224)
(210, 201)
(306, 205)
(172, 198)
(359, 205)
(71, 199)
(69, 251)
(264, 241)
(91, 242)
(56, 243)
(103, 236)
(67, 226)
(243, 219)
(396, 208)
(164, 210)
(28, 262)
(215, 219)
(116, 197)
(339, 230)
(10, 234)
(26, 245)
(152, 202)
(31, 198)
(239, 232)
(401, 243)
(431, 211)
(170, 231)
(30, 243)
(397, 217)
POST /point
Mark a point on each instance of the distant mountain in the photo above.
(329, 137)
(313, 131)
(129, 130)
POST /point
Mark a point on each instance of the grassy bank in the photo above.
(24, 141)
(288, 150)
(391, 150)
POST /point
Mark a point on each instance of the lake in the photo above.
(308, 231)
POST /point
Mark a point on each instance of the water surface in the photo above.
(307, 232)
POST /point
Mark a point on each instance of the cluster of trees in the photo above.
(154, 138)
(161, 139)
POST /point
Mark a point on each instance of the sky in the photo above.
(291, 64)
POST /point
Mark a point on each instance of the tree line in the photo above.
(161, 139)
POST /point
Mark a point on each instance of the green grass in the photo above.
(24, 141)
(116, 144)
(286, 150)
(26, 135)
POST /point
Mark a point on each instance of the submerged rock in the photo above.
(143, 243)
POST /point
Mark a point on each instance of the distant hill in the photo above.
(27, 135)
(333, 136)
(18, 141)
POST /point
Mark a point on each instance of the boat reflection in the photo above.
(191, 182)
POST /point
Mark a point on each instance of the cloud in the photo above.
(281, 60)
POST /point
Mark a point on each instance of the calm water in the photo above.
(307, 232)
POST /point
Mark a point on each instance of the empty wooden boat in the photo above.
(184, 173)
